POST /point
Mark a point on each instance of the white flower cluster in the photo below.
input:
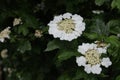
(91, 59)
(69, 27)
(66, 26)
(4, 34)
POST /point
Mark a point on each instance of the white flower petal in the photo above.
(51, 24)
(96, 69)
(81, 61)
(80, 27)
(55, 32)
(101, 50)
(77, 17)
(92, 46)
(68, 37)
(67, 15)
(81, 50)
(87, 68)
(76, 33)
(106, 62)
(57, 18)
(84, 47)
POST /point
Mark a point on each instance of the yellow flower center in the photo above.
(92, 57)
(66, 25)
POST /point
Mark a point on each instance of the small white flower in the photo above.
(81, 61)
(106, 62)
(4, 34)
(97, 11)
(88, 68)
(4, 53)
(66, 26)
(17, 21)
(118, 35)
(91, 59)
(38, 33)
(96, 69)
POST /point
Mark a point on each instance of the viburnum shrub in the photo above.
(60, 39)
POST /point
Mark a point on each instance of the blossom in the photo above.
(97, 11)
(17, 21)
(4, 53)
(118, 35)
(4, 34)
(106, 62)
(66, 26)
(38, 33)
(91, 58)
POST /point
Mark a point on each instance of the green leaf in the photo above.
(91, 35)
(66, 54)
(113, 23)
(116, 4)
(114, 46)
(113, 40)
(52, 45)
(114, 26)
(80, 74)
(31, 21)
(64, 76)
(23, 29)
(100, 2)
(118, 78)
(99, 28)
(24, 46)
